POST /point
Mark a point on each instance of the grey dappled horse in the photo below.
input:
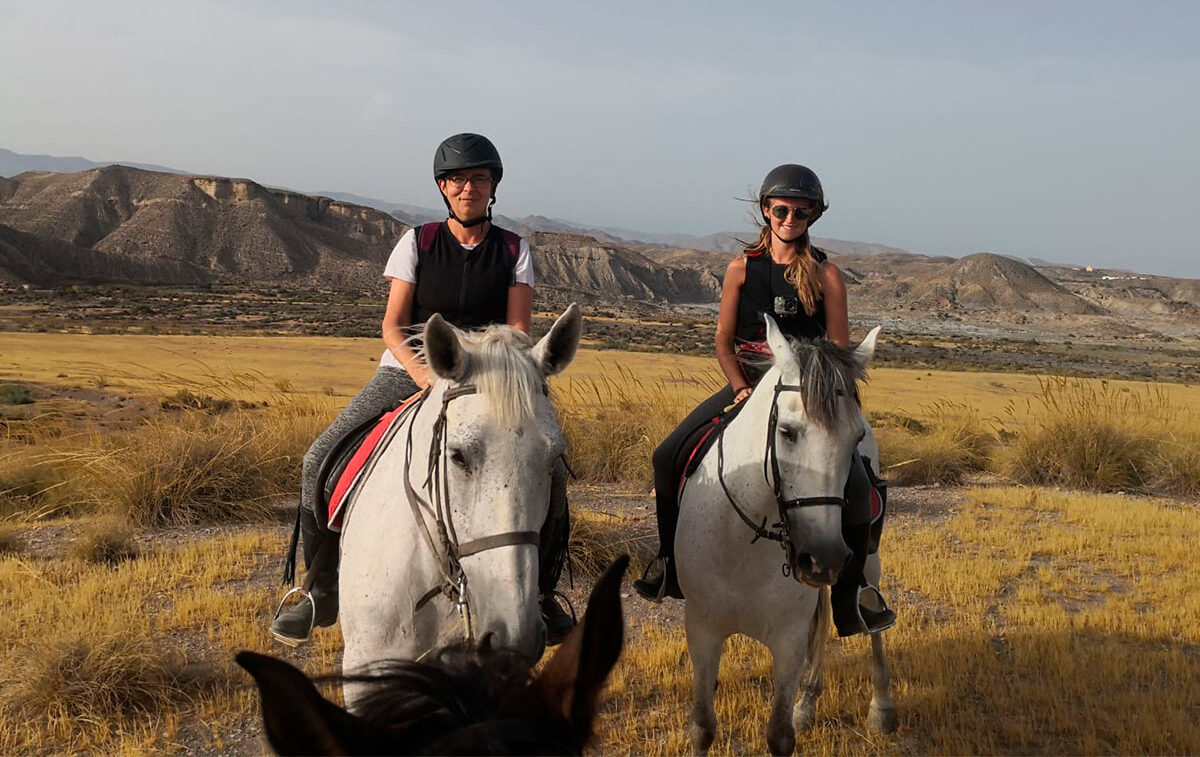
(784, 459)
(441, 542)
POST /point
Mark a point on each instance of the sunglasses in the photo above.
(781, 212)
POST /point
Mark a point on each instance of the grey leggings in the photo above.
(386, 389)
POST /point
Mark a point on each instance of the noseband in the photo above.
(779, 531)
(446, 548)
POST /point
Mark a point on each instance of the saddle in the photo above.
(697, 444)
(342, 471)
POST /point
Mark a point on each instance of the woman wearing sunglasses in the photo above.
(784, 276)
(474, 274)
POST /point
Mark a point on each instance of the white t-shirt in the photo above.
(402, 264)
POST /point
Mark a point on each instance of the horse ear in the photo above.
(778, 343)
(297, 719)
(443, 352)
(866, 350)
(571, 681)
(555, 351)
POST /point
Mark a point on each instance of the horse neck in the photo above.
(745, 447)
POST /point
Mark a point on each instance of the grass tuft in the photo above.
(599, 538)
(92, 677)
(1091, 435)
(612, 423)
(944, 449)
(15, 394)
(107, 541)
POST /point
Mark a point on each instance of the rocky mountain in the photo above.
(117, 223)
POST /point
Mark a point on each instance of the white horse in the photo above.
(782, 460)
(441, 543)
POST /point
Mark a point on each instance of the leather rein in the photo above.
(442, 539)
(779, 531)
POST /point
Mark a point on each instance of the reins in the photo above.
(447, 550)
(771, 473)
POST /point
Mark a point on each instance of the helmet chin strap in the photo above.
(487, 216)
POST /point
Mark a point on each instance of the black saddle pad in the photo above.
(700, 441)
(335, 463)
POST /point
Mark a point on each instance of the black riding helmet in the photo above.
(791, 180)
(464, 151)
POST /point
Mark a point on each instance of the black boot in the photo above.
(552, 555)
(661, 583)
(858, 607)
(319, 607)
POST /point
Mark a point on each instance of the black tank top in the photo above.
(767, 291)
(468, 287)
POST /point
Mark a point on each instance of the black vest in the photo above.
(766, 291)
(469, 288)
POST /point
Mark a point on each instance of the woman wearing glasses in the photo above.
(784, 276)
(474, 274)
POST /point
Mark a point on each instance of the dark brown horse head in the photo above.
(466, 700)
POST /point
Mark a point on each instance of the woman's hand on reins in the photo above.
(742, 394)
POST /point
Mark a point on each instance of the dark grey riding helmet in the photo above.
(791, 180)
(463, 151)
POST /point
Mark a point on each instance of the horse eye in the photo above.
(788, 433)
(456, 457)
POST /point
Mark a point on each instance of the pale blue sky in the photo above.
(1066, 131)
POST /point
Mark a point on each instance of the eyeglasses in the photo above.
(781, 212)
(477, 180)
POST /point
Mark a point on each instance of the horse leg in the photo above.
(788, 660)
(704, 647)
(881, 716)
(804, 716)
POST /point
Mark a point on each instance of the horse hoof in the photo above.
(702, 738)
(881, 719)
(805, 716)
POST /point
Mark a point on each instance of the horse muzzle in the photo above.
(815, 559)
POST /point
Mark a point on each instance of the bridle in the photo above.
(446, 548)
(778, 531)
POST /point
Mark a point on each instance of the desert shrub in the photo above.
(194, 467)
(186, 400)
(91, 676)
(108, 541)
(1091, 435)
(10, 541)
(33, 485)
(1174, 467)
(598, 538)
(942, 450)
(613, 424)
(14, 394)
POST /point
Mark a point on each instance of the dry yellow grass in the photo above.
(1029, 622)
(136, 657)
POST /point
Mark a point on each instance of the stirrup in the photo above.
(644, 581)
(287, 640)
(882, 618)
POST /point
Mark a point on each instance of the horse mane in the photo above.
(827, 374)
(464, 700)
(500, 365)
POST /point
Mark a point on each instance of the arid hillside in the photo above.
(128, 225)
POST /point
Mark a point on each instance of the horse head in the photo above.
(815, 424)
(493, 462)
(466, 700)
